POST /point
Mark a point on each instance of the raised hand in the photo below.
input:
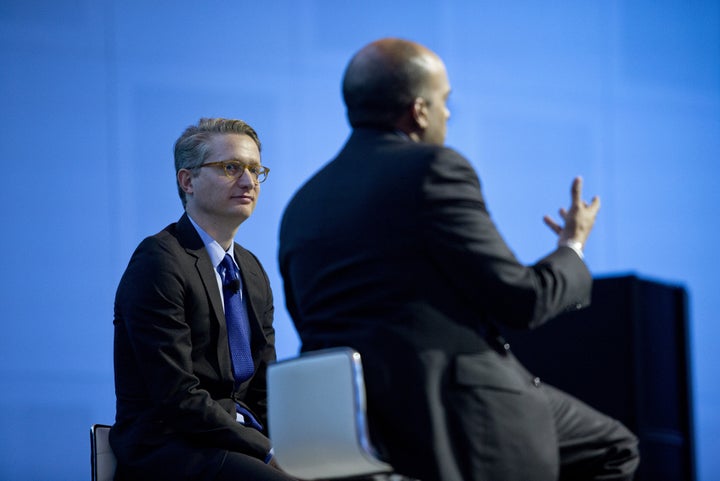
(578, 219)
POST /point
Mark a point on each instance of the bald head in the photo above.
(383, 80)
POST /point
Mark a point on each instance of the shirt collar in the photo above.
(214, 250)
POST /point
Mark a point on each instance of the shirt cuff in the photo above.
(574, 245)
(245, 417)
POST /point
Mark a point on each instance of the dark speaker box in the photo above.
(626, 355)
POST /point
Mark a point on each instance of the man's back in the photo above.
(354, 246)
(389, 249)
(350, 254)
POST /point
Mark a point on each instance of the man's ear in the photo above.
(420, 113)
(184, 178)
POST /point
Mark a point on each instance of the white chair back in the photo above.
(316, 416)
(102, 459)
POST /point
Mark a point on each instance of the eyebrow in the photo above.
(240, 161)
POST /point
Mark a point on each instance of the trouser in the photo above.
(489, 419)
(184, 462)
(516, 427)
(591, 445)
(240, 467)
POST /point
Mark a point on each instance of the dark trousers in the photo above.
(592, 446)
(497, 422)
(240, 467)
(207, 464)
(537, 432)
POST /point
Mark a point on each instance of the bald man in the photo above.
(390, 249)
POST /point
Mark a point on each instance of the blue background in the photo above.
(94, 93)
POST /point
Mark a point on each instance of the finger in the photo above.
(552, 224)
(576, 190)
(562, 212)
(595, 203)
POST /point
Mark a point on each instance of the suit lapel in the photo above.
(193, 244)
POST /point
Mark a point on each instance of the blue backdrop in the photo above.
(94, 93)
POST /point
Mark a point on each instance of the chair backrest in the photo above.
(316, 416)
(102, 459)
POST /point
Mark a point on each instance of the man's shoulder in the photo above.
(165, 237)
(176, 239)
(423, 151)
(378, 145)
(425, 159)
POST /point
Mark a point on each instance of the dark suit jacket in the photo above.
(390, 249)
(173, 374)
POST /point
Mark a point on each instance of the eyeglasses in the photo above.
(234, 169)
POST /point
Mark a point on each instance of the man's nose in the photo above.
(246, 178)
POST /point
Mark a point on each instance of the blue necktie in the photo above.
(238, 327)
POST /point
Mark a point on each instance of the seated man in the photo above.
(194, 326)
(390, 249)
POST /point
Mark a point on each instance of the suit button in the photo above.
(506, 346)
(536, 382)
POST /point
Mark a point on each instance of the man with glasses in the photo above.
(194, 326)
(390, 249)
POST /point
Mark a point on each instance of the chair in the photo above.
(102, 459)
(316, 416)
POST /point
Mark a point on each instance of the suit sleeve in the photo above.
(155, 307)
(467, 247)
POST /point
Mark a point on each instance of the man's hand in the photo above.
(579, 219)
